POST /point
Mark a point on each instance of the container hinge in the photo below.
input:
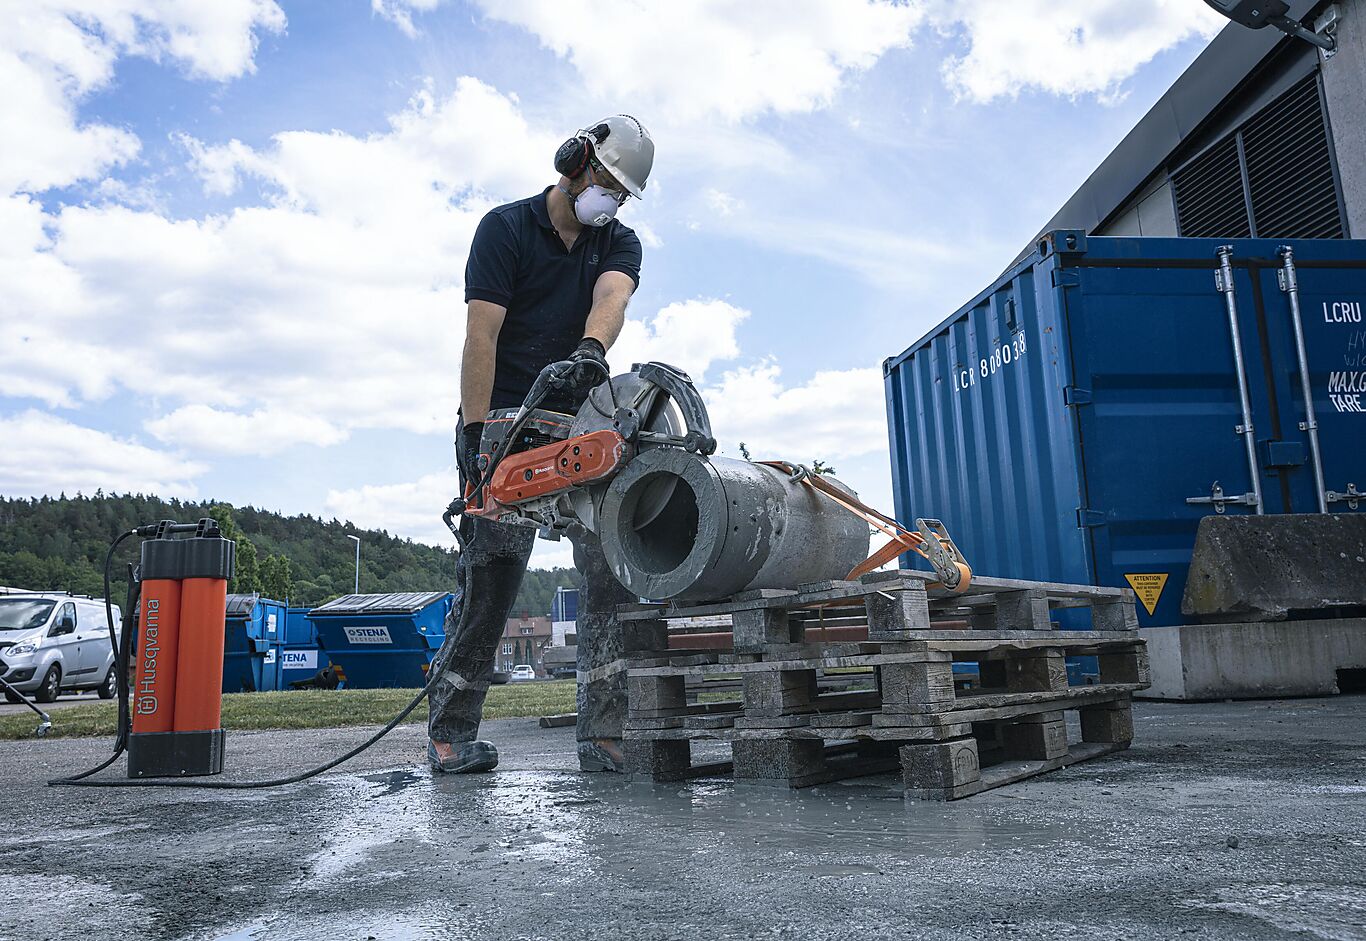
(1220, 500)
(1074, 395)
(1066, 277)
(1087, 519)
(1352, 497)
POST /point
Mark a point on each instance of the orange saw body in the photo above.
(551, 469)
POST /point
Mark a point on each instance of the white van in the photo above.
(55, 642)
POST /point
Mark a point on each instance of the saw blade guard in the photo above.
(655, 405)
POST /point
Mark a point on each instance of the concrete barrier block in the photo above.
(1262, 568)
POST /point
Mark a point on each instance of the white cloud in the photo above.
(265, 431)
(400, 12)
(413, 509)
(688, 334)
(1064, 47)
(335, 305)
(649, 238)
(837, 414)
(44, 454)
(54, 53)
(732, 59)
(723, 204)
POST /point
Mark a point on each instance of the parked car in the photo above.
(50, 643)
(522, 671)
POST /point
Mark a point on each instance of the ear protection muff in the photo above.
(573, 156)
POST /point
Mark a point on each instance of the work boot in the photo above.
(601, 754)
(461, 757)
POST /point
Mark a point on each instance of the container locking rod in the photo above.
(1290, 284)
(1225, 284)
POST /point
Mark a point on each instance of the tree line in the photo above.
(59, 544)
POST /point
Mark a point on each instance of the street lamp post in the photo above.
(356, 540)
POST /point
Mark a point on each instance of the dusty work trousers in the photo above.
(488, 576)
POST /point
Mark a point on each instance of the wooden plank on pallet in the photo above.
(934, 645)
(722, 720)
(982, 583)
(1010, 772)
(693, 709)
(1021, 704)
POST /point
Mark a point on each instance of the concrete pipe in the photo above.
(678, 526)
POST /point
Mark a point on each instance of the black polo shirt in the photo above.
(518, 261)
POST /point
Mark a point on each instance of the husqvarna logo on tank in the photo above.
(368, 635)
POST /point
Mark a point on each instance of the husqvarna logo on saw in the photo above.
(368, 635)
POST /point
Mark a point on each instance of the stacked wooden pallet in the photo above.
(947, 741)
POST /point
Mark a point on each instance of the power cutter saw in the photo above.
(550, 470)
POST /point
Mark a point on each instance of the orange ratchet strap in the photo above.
(931, 543)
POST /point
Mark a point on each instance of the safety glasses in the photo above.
(605, 179)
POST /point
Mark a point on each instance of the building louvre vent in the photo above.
(1209, 194)
(1285, 164)
(1290, 169)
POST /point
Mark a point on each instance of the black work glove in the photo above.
(467, 450)
(590, 364)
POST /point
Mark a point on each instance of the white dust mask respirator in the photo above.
(596, 206)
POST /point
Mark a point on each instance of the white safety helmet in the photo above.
(620, 143)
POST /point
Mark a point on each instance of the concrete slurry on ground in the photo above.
(1224, 821)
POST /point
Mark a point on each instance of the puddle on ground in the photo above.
(392, 782)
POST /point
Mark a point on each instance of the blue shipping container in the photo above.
(251, 632)
(382, 641)
(1062, 421)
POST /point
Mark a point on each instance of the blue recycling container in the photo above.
(382, 641)
(1076, 420)
(299, 654)
(252, 628)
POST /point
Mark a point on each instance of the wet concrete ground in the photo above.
(1138, 845)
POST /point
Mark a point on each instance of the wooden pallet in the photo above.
(788, 727)
(893, 606)
(1020, 742)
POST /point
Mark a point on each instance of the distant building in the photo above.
(523, 641)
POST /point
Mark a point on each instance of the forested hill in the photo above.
(59, 544)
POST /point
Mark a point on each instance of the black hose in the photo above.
(550, 376)
(120, 654)
(252, 785)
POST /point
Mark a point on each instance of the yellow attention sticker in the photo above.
(1148, 588)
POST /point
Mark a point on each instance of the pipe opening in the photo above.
(661, 522)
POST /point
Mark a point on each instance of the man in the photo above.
(548, 279)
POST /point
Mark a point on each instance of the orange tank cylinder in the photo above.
(199, 670)
(154, 682)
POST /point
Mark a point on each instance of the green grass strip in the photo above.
(308, 709)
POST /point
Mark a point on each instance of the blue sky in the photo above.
(232, 235)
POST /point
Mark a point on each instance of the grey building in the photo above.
(1263, 135)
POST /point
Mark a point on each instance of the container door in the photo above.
(1332, 301)
(1157, 406)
